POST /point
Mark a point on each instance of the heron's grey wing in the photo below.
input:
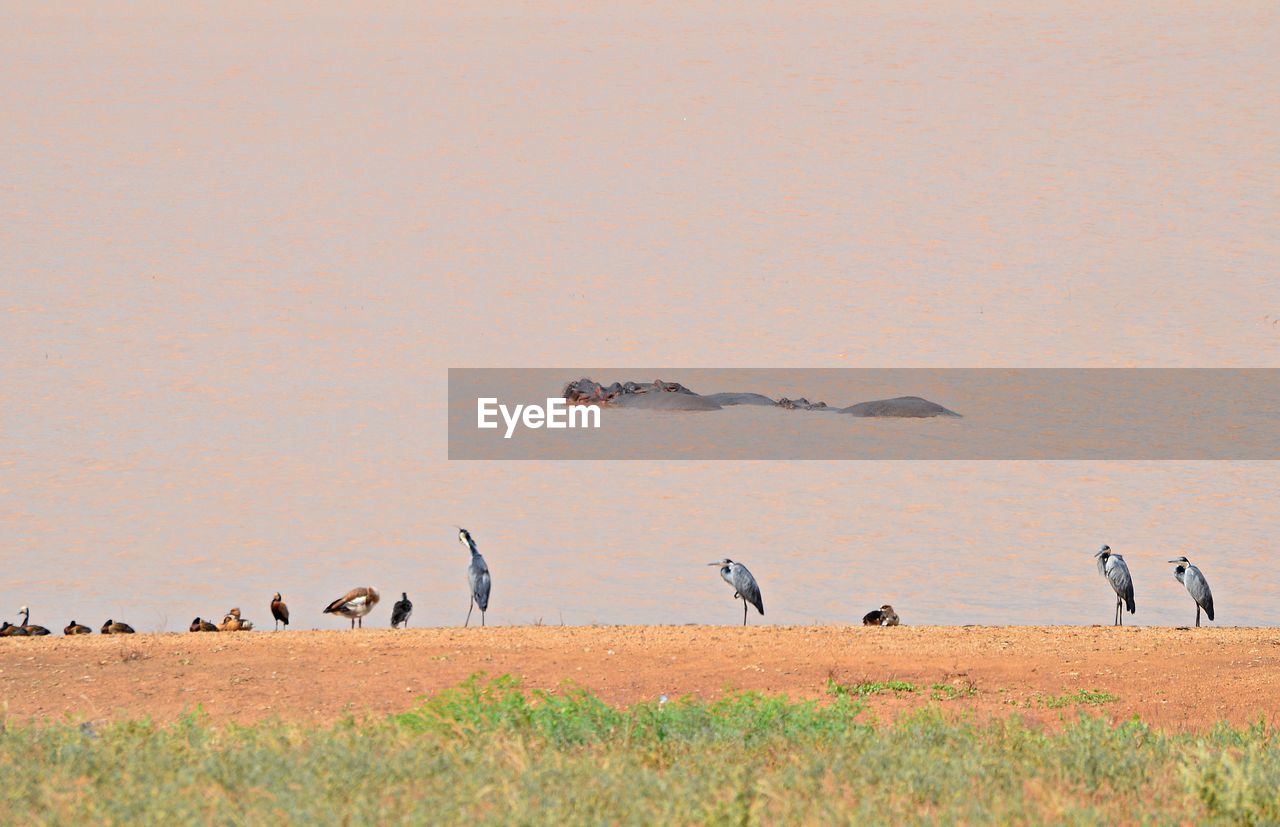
(1199, 589)
(1118, 574)
(746, 586)
(478, 575)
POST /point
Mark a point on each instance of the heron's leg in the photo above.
(1197, 615)
(482, 617)
(744, 612)
(473, 605)
(353, 623)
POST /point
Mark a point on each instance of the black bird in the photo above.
(279, 611)
(883, 616)
(401, 610)
(199, 625)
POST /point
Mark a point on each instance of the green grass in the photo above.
(1086, 697)
(492, 753)
(868, 688)
(952, 692)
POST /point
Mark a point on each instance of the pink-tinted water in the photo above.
(240, 246)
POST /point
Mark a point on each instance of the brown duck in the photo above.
(74, 628)
(199, 625)
(111, 627)
(234, 623)
(279, 611)
(27, 625)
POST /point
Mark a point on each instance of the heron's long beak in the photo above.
(716, 563)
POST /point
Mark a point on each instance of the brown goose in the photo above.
(113, 628)
(9, 630)
(234, 623)
(355, 604)
(34, 631)
(279, 611)
(74, 628)
(199, 625)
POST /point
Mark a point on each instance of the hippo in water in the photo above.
(672, 396)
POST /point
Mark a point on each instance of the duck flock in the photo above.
(359, 601)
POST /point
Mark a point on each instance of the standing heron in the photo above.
(1190, 576)
(744, 585)
(1112, 567)
(477, 577)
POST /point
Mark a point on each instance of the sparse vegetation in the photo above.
(867, 688)
(953, 691)
(491, 752)
(1086, 697)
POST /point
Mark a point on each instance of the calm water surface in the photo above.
(239, 249)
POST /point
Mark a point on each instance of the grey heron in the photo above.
(401, 610)
(280, 612)
(1190, 576)
(1112, 567)
(355, 604)
(477, 577)
(744, 585)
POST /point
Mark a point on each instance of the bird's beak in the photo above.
(716, 563)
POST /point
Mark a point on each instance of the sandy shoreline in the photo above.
(1174, 678)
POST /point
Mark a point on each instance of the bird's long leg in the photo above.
(1197, 615)
(744, 612)
(473, 605)
(482, 617)
(353, 623)
(1119, 615)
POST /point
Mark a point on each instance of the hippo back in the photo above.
(902, 406)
